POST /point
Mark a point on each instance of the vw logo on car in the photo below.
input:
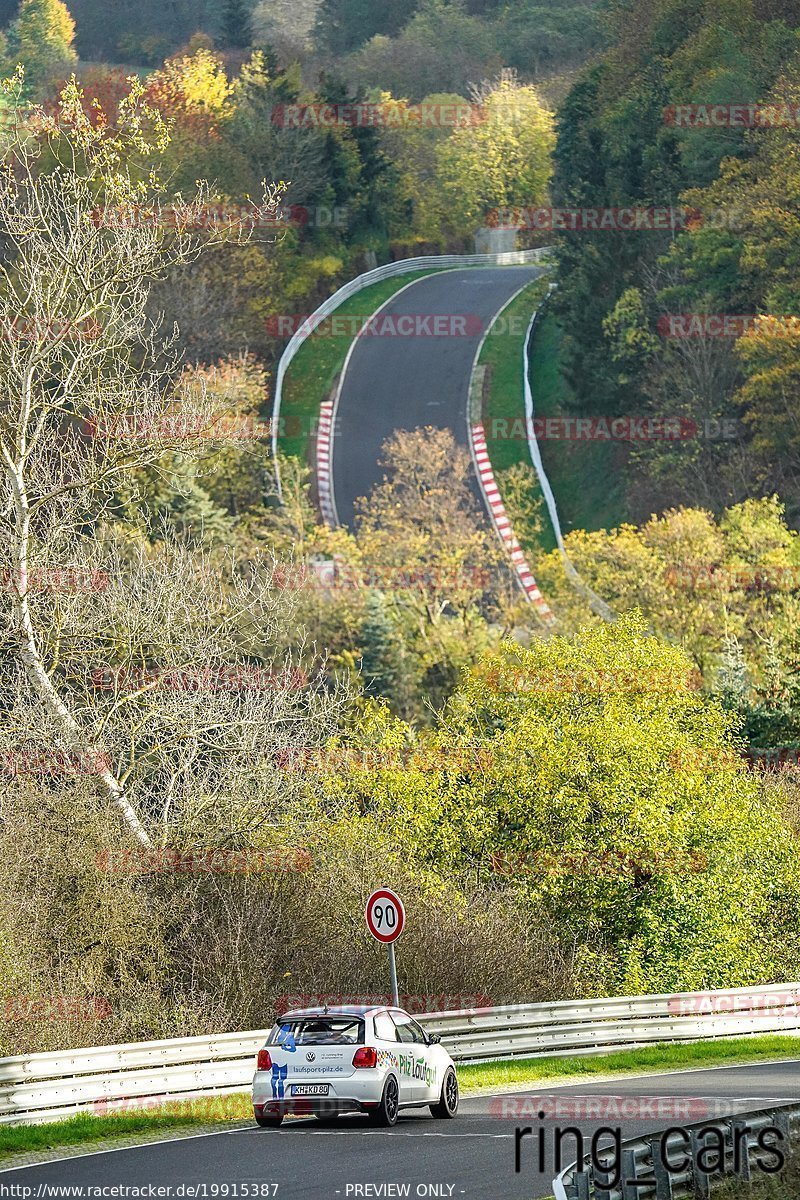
(377, 1060)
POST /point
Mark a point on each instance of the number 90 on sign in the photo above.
(385, 915)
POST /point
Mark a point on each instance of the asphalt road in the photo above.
(408, 381)
(472, 1156)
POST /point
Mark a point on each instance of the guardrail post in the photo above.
(630, 1182)
(700, 1180)
(780, 1119)
(603, 1188)
(660, 1173)
(741, 1149)
(582, 1184)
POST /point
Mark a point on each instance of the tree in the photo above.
(236, 28)
(382, 655)
(87, 386)
(441, 49)
(41, 39)
(343, 25)
(504, 161)
(610, 793)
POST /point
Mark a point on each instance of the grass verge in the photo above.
(665, 1056)
(587, 477)
(218, 1110)
(319, 360)
(504, 399)
(785, 1186)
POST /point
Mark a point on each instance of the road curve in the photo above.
(403, 382)
(470, 1157)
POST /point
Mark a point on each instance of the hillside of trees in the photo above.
(193, 665)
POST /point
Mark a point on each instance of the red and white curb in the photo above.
(324, 457)
(503, 525)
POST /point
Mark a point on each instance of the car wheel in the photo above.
(271, 1122)
(447, 1104)
(386, 1112)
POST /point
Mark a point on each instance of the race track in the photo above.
(472, 1156)
(404, 382)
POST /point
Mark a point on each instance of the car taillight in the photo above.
(263, 1062)
(367, 1056)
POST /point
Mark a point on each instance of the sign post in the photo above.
(385, 920)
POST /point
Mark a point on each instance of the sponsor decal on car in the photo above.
(286, 1039)
(314, 1070)
(278, 1080)
(417, 1069)
(386, 1058)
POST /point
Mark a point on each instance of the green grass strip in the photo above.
(311, 373)
(587, 477)
(665, 1056)
(504, 405)
(217, 1110)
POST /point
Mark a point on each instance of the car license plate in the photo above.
(309, 1089)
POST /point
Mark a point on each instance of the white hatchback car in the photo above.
(353, 1058)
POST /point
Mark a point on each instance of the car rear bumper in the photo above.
(317, 1106)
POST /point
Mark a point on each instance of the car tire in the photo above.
(385, 1114)
(271, 1122)
(447, 1105)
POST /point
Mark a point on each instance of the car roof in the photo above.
(338, 1010)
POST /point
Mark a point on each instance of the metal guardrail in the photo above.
(596, 603)
(43, 1087)
(403, 266)
(641, 1171)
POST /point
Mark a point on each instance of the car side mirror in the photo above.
(433, 1039)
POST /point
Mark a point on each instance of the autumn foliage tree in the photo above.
(41, 38)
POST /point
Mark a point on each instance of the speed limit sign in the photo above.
(385, 915)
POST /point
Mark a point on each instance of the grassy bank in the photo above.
(785, 1186)
(587, 477)
(216, 1111)
(320, 359)
(504, 399)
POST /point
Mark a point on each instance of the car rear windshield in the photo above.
(319, 1031)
